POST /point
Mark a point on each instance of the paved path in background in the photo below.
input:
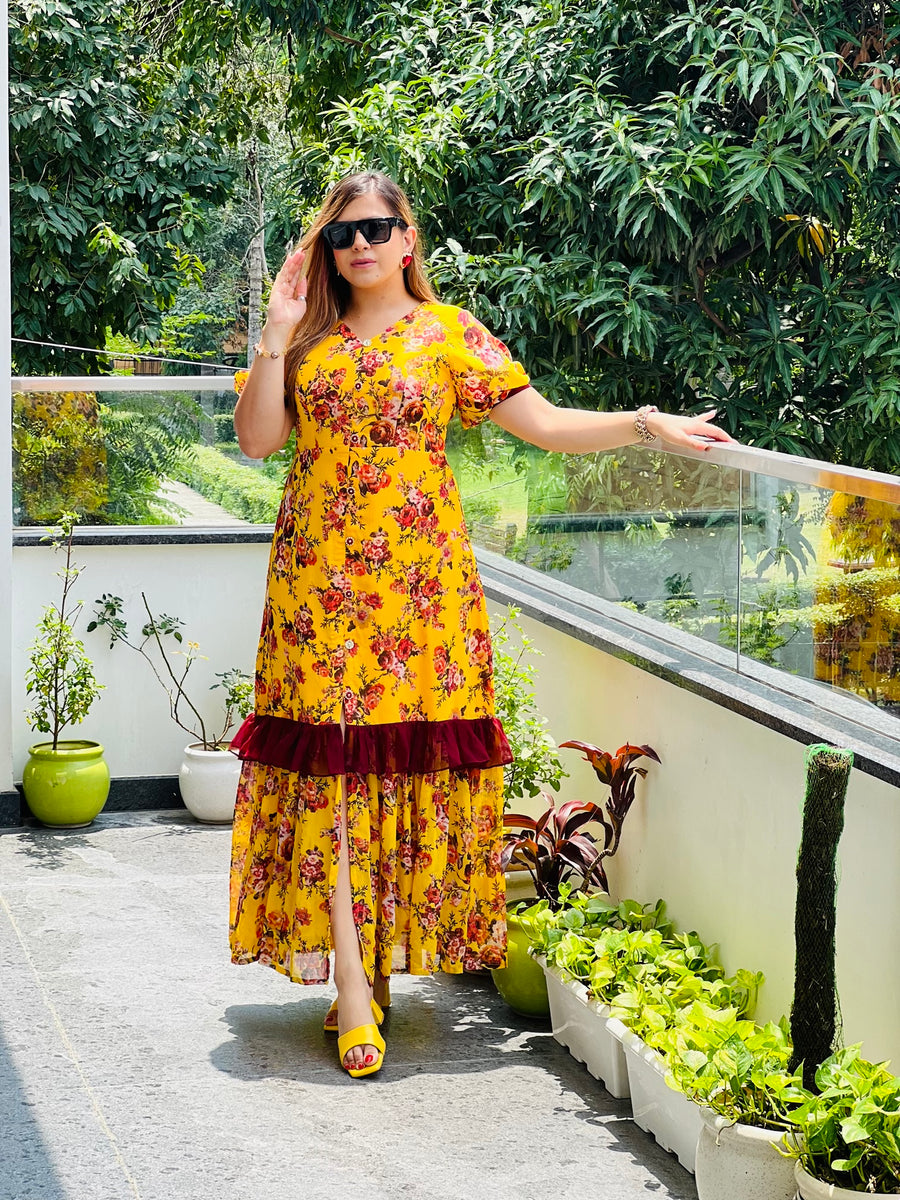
(197, 509)
(136, 1063)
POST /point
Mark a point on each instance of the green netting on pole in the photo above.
(815, 1014)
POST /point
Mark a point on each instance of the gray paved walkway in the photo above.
(136, 1061)
(196, 509)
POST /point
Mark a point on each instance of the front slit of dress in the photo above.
(426, 886)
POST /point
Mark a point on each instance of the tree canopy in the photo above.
(115, 155)
(681, 202)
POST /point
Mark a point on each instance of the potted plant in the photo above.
(648, 979)
(564, 943)
(621, 981)
(209, 772)
(536, 764)
(66, 783)
(556, 849)
(739, 1073)
(847, 1133)
(535, 758)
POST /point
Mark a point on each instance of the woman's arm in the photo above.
(261, 421)
(529, 416)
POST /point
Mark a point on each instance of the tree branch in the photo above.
(342, 37)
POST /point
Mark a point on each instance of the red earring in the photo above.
(405, 261)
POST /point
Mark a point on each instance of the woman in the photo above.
(369, 813)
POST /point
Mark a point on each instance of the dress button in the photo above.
(349, 542)
(348, 645)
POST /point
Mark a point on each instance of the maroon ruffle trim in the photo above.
(405, 747)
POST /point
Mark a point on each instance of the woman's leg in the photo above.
(354, 992)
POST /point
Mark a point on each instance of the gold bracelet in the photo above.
(640, 422)
(263, 353)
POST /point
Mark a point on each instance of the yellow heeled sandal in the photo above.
(331, 1017)
(362, 1035)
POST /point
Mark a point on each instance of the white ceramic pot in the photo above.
(741, 1162)
(586, 1029)
(810, 1188)
(673, 1120)
(208, 780)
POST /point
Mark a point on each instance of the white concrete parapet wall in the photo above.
(716, 827)
(217, 590)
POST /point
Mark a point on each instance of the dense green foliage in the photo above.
(104, 462)
(116, 153)
(682, 203)
(679, 203)
(536, 763)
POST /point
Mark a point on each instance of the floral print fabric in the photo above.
(375, 613)
(425, 871)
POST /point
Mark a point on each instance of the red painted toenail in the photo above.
(370, 1058)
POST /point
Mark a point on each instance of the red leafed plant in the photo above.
(556, 847)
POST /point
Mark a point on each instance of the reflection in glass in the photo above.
(133, 458)
(820, 589)
(856, 615)
(655, 533)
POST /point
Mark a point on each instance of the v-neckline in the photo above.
(343, 326)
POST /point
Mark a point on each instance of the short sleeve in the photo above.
(484, 372)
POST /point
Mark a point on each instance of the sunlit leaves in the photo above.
(114, 155)
(608, 185)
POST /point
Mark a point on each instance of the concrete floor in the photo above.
(136, 1061)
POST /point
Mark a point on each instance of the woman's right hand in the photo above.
(287, 300)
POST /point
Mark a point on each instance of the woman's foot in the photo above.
(355, 1039)
(331, 1017)
(354, 1010)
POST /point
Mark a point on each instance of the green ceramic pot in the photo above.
(66, 787)
(521, 982)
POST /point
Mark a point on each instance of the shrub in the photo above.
(224, 427)
(242, 491)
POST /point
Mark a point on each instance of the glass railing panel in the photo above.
(654, 533)
(772, 563)
(820, 588)
(135, 452)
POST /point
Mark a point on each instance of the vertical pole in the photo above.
(6, 582)
(256, 254)
(815, 1013)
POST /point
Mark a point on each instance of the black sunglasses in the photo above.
(340, 235)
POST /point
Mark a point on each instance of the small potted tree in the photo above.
(66, 783)
(209, 772)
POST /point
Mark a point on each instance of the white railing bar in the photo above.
(833, 477)
(123, 383)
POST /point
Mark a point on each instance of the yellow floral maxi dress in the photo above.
(374, 610)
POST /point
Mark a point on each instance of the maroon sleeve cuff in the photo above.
(514, 392)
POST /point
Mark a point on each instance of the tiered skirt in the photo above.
(424, 828)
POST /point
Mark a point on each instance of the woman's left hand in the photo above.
(694, 433)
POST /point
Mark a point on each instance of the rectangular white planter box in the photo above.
(586, 1029)
(673, 1120)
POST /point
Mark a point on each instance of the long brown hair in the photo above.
(329, 293)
